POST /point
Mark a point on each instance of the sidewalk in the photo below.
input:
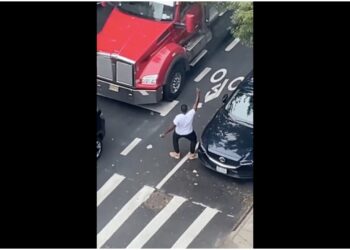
(242, 236)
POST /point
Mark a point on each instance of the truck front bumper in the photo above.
(128, 95)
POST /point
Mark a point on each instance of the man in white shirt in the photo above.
(184, 128)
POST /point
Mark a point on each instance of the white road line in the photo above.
(202, 74)
(131, 146)
(167, 177)
(108, 187)
(167, 108)
(154, 225)
(195, 228)
(232, 44)
(118, 220)
(163, 108)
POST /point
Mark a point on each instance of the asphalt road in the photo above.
(146, 198)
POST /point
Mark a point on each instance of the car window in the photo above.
(240, 107)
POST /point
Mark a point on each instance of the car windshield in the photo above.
(150, 10)
(240, 107)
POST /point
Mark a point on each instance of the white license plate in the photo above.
(114, 88)
(221, 170)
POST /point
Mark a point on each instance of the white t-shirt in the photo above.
(184, 122)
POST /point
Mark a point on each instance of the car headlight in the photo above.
(150, 79)
(246, 162)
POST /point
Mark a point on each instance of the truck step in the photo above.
(192, 44)
(197, 58)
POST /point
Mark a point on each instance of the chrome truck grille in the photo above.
(115, 68)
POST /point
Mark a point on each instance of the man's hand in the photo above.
(195, 105)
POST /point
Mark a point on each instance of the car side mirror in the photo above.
(190, 23)
(225, 98)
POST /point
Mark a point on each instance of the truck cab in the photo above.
(145, 48)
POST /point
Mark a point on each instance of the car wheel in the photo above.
(98, 147)
(174, 83)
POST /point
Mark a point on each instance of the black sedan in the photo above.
(227, 141)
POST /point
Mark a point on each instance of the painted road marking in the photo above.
(154, 225)
(195, 228)
(213, 78)
(202, 74)
(217, 89)
(113, 225)
(131, 146)
(232, 44)
(163, 108)
(167, 177)
(108, 187)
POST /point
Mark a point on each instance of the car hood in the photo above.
(226, 137)
(130, 36)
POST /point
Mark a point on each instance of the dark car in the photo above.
(227, 141)
(100, 121)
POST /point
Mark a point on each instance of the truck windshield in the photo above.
(150, 10)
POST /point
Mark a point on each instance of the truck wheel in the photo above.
(174, 83)
(98, 147)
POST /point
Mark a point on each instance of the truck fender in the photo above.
(162, 62)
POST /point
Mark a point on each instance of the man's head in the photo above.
(184, 108)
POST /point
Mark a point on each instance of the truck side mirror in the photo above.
(225, 98)
(190, 23)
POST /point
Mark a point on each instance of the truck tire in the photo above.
(174, 83)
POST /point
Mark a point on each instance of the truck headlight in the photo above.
(150, 79)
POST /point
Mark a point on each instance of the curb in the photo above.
(239, 223)
(229, 242)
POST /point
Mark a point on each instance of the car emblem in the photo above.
(222, 159)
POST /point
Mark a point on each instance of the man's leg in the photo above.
(193, 138)
(175, 154)
(176, 138)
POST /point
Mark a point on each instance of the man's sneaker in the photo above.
(175, 155)
(193, 156)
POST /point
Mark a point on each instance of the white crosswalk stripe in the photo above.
(108, 187)
(154, 225)
(157, 222)
(195, 228)
(123, 215)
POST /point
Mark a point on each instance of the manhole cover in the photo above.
(157, 200)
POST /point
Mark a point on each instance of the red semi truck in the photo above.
(145, 48)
